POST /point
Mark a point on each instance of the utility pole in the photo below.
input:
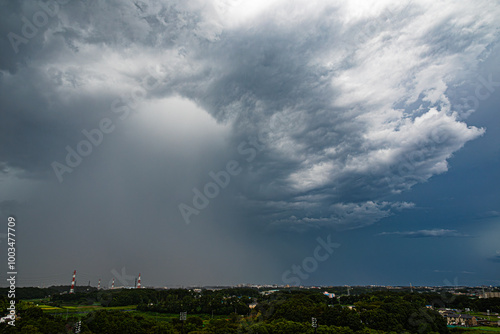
(78, 327)
(183, 317)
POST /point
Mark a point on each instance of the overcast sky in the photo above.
(242, 141)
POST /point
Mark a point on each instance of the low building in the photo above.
(490, 295)
(464, 320)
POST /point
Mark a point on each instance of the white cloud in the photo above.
(353, 98)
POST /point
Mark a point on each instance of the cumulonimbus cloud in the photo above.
(350, 104)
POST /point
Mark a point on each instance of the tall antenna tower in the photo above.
(72, 289)
(113, 284)
(99, 285)
(139, 281)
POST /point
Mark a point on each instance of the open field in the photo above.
(483, 315)
(81, 311)
(481, 330)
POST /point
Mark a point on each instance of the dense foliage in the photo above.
(209, 302)
(228, 311)
(437, 300)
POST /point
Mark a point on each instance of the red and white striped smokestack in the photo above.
(99, 284)
(72, 290)
(139, 281)
(113, 284)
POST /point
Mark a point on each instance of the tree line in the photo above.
(286, 311)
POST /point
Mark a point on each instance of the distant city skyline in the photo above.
(264, 142)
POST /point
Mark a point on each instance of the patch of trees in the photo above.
(118, 297)
(462, 302)
(32, 320)
(116, 322)
(392, 312)
(437, 300)
(492, 304)
(221, 302)
(31, 293)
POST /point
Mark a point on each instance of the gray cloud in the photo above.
(450, 271)
(434, 233)
(341, 215)
(343, 119)
(10, 207)
(495, 258)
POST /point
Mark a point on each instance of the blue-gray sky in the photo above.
(373, 125)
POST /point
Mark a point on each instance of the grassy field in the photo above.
(481, 330)
(484, 316)
(81, 311)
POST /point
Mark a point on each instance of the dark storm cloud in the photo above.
(35, 132)
(345, 117)
(282, 83)
(9, 207)
(333, 110)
